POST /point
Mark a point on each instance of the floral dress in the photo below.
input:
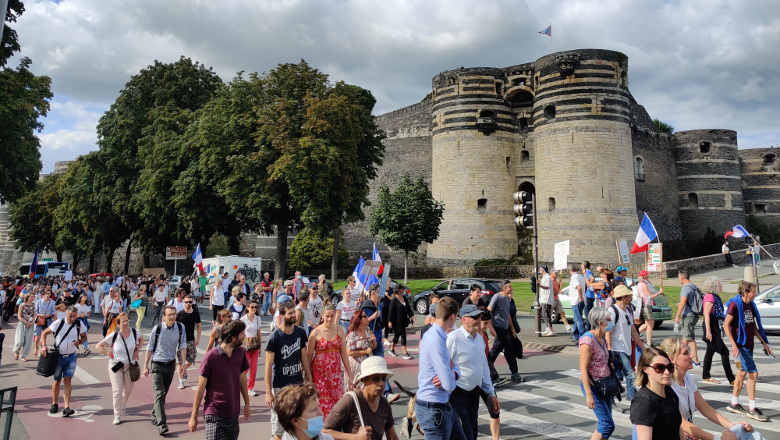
(326, 369)
(357, 342)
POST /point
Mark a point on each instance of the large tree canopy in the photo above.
(32, 217)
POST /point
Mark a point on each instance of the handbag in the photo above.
(48, 364)
(252, 343)
(134, 370)
(40, 321)
(137, 303)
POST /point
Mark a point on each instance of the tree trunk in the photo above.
(234, 245)
(406, 258)
(91, 263)
(334, 264)
(59, 255)
(127, 255)
(109, 259)
(76, 258)
(147, 261)
(280, 267)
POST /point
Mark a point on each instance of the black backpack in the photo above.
(179, 325)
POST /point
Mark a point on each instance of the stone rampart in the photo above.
(760, 174)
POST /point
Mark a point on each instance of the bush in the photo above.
(218, 245)
(312, 249)
(767, 232)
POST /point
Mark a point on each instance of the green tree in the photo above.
(663, 127)
(32, 217)
(768, 232)
(406, 218)
(312, 248)
(218, 245)
(24, 99)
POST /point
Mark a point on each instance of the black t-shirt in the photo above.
(287, 350)
(425, 328)
(663, 414)
(482, 302)
(68, 301)
(186, 287)
(189, 320)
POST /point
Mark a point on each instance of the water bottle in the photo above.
(676, 327)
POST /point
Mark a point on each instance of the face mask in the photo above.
(610, 325)
(315, 426)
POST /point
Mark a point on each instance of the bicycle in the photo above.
(251, 273)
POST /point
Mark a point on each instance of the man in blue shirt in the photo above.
(590, 294)
(437, 378)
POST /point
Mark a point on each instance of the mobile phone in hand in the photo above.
(772, 356)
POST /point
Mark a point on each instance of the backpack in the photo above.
(135, 337)
(696, 301)
(179, 325)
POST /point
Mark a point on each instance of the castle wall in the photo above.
(584, 174)
(760, 173)
(708, 180)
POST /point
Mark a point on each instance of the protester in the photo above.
(399, 318)
(160, 297)
(365, 413)
(354, 291)
(689, 318)
(215, 337)
(300, 417)
(621, 335)
(384, 311)
(141, 299)
(484, 328)
(267, 286)
(82, 313)
(238, 308)
(655, 410)
(24, 330)
(314, 307)
(345, 309)
(467, 350)
(285, 361)
(590, 294)
(178, 301)
(577, 289)
(546, 299)
(112, 307)
(167, 342)
(712, 325)
(372, 308)
(222, 382)
(68, 334)
(743, 323)
(122, 348)
(327, 350)
(302, 310)
(499, 308)
(216, 301)
(689, 396)
(253, 340)
(603, 288)
(727, 253)
(594, 359)
(437, 377)
(431, 317)
(190, 318)
(557, 309)
(44, 312)
(646, 303)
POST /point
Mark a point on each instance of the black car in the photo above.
(457, 289)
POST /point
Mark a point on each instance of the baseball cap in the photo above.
(289, 283)
(313, 284)
(470, 310)
(544, 268)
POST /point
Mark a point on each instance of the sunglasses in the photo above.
(252, 307)
(187, 302)
(659, 368)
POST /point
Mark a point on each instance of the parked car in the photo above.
(768, 305)
(173, 283)
(661, 310)
(456, 288)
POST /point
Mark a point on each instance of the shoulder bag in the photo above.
(40, 321)
(608, 387)
(134, 370)
(253, 342)
(48, 364)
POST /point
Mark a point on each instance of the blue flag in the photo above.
(547, 31)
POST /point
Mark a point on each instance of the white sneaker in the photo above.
(568, 328)
(117, 420)
(545, 333)
(181, 384)
(253, 393)
(387, 343)
(552, 332)
(124, 410)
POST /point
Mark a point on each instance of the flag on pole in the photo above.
(372, 279)
(547, 31)
(738, 232)
(645, 235)
(198, 259)
(361, 279)
(34, 264)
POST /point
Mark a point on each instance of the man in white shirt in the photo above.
(68, 334)
(623, 331)
(467, 350)
(546, 299)
(577, 288)
(727, 253)
(178, 302)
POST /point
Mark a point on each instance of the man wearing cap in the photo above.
(375, 419)
(623, 332)
(504, 329)
(546, 299)
(620, 275)
(314, 308)
(467, 350)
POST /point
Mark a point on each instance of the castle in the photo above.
(567, 128)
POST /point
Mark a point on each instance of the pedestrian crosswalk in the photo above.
(551, 405)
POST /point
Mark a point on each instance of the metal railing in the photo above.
(8, 409)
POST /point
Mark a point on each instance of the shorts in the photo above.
(557, 307)
(276, 427)
(192, 352)
(215, 312)
(746, 357)
(219, 428)
(647, 312)
(66, 366)
(688, 327)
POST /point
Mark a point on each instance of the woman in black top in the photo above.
(655, 410)
(399, 318)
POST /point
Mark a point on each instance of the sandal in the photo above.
(16, 357)
(712, 380)
(23, 359)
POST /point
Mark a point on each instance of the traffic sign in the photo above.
(176, 253)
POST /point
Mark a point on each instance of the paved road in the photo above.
(549, 405)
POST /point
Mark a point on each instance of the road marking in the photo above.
(85, 377)
(541, 427)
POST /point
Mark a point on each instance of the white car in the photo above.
(173, 283)
(768, 305)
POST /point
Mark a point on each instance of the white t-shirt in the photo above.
(577, 280)
(64, 341)
(354, 294)
(314, 310)
(82, 309)
(686, 396)
(252, 326)
(159, 296)
(179, 305)
(119, 346)
(225, 284)
(347, 310)
(218, 295)
(621, 332)
(546, 295)
(112, 306)
(724, 248)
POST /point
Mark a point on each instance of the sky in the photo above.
(694, 64)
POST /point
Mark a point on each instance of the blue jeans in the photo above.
(746, 356)
(66, 366)
(603, 410)
(267, 302)
(344, 325)
(439, 423)
(627, 373)
(588, 306)
(579, 324)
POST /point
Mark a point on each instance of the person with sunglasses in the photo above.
(690, 397)
(252, 341)
(655, 410)
(594, 359)
(190, 317)
(360, 344)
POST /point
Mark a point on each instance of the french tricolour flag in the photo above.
(198, 257)
(738, 232)
(645, 235)
(361, 279)
(374, 256)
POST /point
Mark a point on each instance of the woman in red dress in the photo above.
(327, 350)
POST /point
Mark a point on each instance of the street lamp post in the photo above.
(4, 8)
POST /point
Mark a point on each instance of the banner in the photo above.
(654, 257)
(623, 252)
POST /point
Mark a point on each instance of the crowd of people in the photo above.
(325, 373)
